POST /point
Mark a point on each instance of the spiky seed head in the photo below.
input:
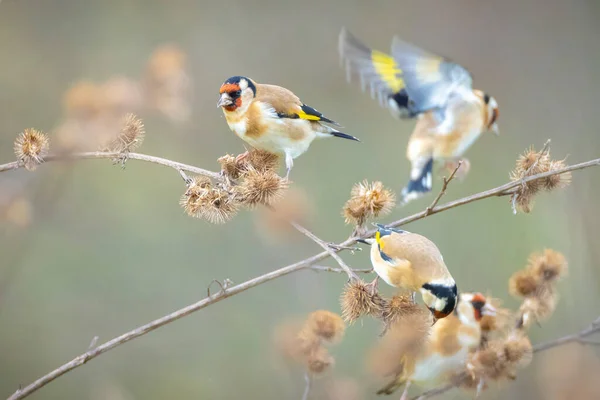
(230, 166)
(549, 266)
(261, 187)
(130, 137)
(262, 160)
(558, 181)
(399, 307)
(368, 200)
(85, 100)
(30, 148)
(319, 360)
(518, 350)
(358, 299)
(218, 206)
(327, 325)
(523, 283)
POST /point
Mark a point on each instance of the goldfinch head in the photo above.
(492, 113)
(236, 93)
(440, 297)
(474, 306)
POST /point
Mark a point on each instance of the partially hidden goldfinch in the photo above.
(413, 262)
(272, 118)
(414, 83)
(445, 351)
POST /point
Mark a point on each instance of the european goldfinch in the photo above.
(414, 83)
(413, 262)
(272, 118)
(447, 347)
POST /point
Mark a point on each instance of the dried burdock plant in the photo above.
(261, 187)
(303, 342)
(399, 307)
(358, 299)
(231, 166)
(30, 148)
(130, 136)
(536, 284)
(122, 95)
(166, 83)
(327, 325)
(262, 160)
(368, 200)
(213, 203)
(84, 100)
(532, 163)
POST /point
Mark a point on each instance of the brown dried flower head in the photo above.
(399, 307)
(518, 350)
(488, 363)
(231, 167)
(558, 181)
(523, 283)
(549, 266)
(130, 137)
(85, 100)
(359, 299)
(123, 95)
(532, 163)
(202, 200)
(262, 160)
(287, 341)
(30, 148)
(327, 325)
(539, 307)
(368, 200)
(261, 187)
(319, 360)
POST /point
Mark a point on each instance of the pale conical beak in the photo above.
(494, 128)
(488, 310)
(224, 100)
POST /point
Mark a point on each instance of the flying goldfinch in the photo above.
(272, 118)
(448, 346)
(414, 83)
(413, 262)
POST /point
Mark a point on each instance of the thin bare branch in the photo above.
(443, 190)
(332, 252)
(579, 337)
(308, 262)
(339, 270)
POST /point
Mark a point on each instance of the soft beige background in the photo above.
(109, 250)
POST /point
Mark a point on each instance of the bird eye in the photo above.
(237, 93)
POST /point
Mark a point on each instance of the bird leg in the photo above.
(242, 157)
(405, 392)
(289, 163)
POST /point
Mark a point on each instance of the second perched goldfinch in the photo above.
(448, 346)
(415, 83)
(272, 118)
(413, 262)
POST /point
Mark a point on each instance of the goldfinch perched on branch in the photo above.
(272, 118)
(411, 261)
(415, 83)
(448, 346)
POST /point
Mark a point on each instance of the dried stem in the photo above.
(330, 249)
(306, 263)
(443, 190)
(307, 387)
(339, 270)
(579, 337)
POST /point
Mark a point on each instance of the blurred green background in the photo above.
(109, 249)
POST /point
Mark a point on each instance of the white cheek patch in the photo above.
(243, 84)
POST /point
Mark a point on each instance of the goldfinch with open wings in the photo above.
(438, 92)
(272, 118)
(448, 346)
(413, 262)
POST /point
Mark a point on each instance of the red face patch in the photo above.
(478, 298)
(237, 103)
(229, 87)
